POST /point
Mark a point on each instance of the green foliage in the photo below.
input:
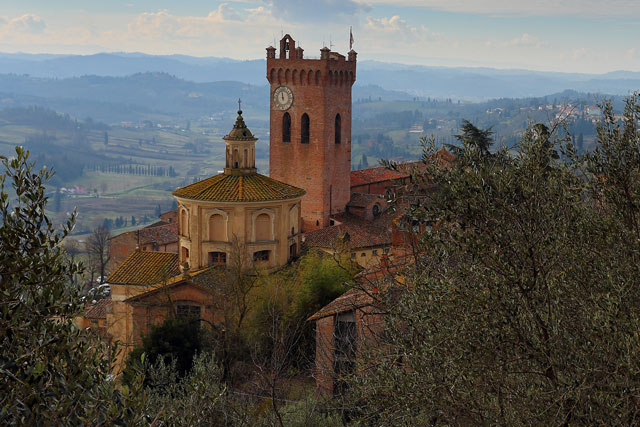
(50, 371)
(523, 307)
(174, 341)
(322, 278)
(198, 398)
(473, 138)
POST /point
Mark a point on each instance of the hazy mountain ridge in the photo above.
(442, 82)
(144, 95)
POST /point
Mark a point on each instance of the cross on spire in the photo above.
(239, 104)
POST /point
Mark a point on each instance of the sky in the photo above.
(590, 36)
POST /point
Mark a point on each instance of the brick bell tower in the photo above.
(310, 127)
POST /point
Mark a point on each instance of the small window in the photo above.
(376, 210)
(304, 129)
(338, 129)
(353, 255)
(374, 252)
(261, 256)
(363, 254)
(217, 258)
(286, 128)
(188, 311)
(344, 349)
(385, 251)
(185, 253)
(293, 250)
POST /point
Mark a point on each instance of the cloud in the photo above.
(397, 28)
(26, 24)
(162, 24)
(314, 10)
(525, 40)
(626, 8)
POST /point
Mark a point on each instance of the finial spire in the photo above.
(239, 105)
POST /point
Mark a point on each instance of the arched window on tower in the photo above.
(338, 129)
(304, 129)
(286, 128)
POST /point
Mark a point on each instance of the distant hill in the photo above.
(465, 83)
(150, 95)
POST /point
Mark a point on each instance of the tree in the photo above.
(98, 250)
(580, 143)
(57, 200)
(51, 372)
(523, 307)
(473, 137)
(174, 341)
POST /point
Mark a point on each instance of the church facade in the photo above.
(238, 211)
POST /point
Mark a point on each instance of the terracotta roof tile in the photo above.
(362, 200)
(353, 299)
(97, 310)
(404, 170)
(362, 233)
(239, 188)
(160, 234)
(371, 175)
(145, 268)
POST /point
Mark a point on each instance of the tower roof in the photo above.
(240, 131)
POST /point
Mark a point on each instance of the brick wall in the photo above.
(120, 247)
(324, 354)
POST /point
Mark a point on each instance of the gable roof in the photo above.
(239, 188)
(161, 234)
(362, 233)
(97, 310)
(145, 268)
(150, 293)
(372, 175)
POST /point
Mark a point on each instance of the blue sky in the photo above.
(592, 36)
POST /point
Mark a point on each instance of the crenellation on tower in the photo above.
(310, 127)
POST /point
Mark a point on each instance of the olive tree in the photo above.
(51, 372)
(523, 307)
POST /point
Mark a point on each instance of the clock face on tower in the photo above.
(282, 98)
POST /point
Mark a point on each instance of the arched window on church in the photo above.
(338, 129)
(235, 158)
(246, 158)
(263, 227)
(293, 220)
(304, 129)
(184, 223)
(217, 227)
(286, 128)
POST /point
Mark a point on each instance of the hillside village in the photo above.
(485, 272)
(241, 213)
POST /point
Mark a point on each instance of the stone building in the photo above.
(239, 210)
